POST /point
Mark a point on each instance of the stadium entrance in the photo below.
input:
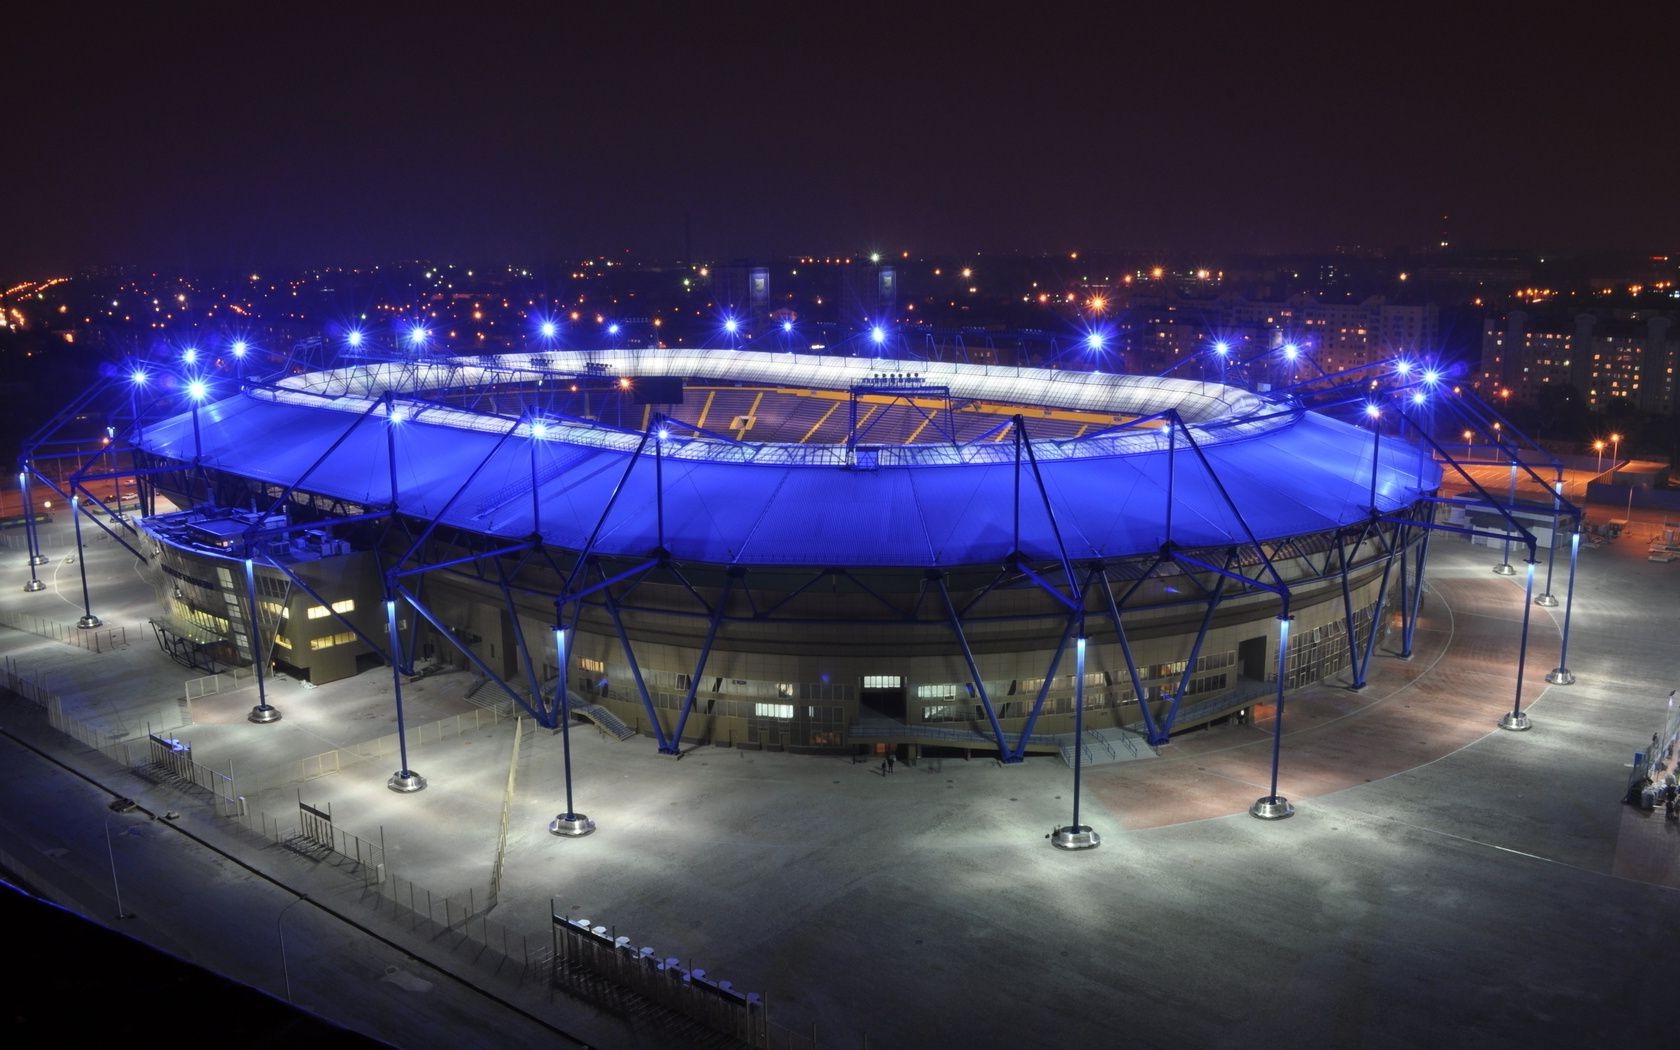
(884, 695)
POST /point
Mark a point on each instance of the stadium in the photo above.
(774, 550)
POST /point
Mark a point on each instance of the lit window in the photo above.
(773, 710)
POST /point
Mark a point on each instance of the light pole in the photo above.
(570, 824)
(35, 582)
(1077, 835)
(112, 855)
(285, 973)
(88, 620)
(1468, 435)
(1615, 448)
(1598, 446)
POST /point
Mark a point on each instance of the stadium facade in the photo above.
(785, 551)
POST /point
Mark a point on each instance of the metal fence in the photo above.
(597, 951)
(222, 682)
(463, 927)
(94, 639)
(321, 764)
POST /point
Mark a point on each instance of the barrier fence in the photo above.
(507, 813)
(94, 640)
(384, 747)
(583, 949)
(221, 682)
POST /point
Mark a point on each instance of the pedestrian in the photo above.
(883, 767)
(891, 761)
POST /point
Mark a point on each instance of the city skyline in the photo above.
(205, 141)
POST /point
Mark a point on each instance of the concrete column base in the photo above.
(35, 585)
(263, 714)
(39, 559)
(406, 782)
(1505, 568)
(1516, 721)
(571, 825)
(1271, 807)
(1561, 676)
(89, 622)
(1075, 837)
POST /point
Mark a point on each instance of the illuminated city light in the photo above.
(417, 335)
(548, 329)
(1221, 348)
(878, 335)
(190, 355)
(1094, 341)
(197, 390)
(239, 347)
(138, 377)
(354, 338)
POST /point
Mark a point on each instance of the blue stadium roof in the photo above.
(1287, 471)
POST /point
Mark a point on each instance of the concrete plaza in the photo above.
(1443, 881)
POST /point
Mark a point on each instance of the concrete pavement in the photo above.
(1443, 880)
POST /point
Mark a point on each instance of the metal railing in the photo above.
(94, 639)
(445, 728)
(582, 950)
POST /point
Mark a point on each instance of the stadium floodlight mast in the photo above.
(88, 620)
(35, 582)
(570, 824)
(1222, 350)
(1077, 835)
(264, 712)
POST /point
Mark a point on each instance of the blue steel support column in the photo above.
(674, 746)
(974, 671)
(1275, 806)
(1347, 612)
(1077, 835)
(659, 736)
(1517, 719)
(35, 555)
(88, 620)
(404, 780)
(1409, 616)
(1546, 598)
(1376, 618)
(1561, 675)
(1504, 568)
(571, 823)
(263, 713)
(1153, 733)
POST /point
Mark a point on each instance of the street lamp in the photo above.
(279, 919)
(1598, 446)
(1615, 443)
(1468, 435)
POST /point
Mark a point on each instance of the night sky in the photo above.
(255, 135)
